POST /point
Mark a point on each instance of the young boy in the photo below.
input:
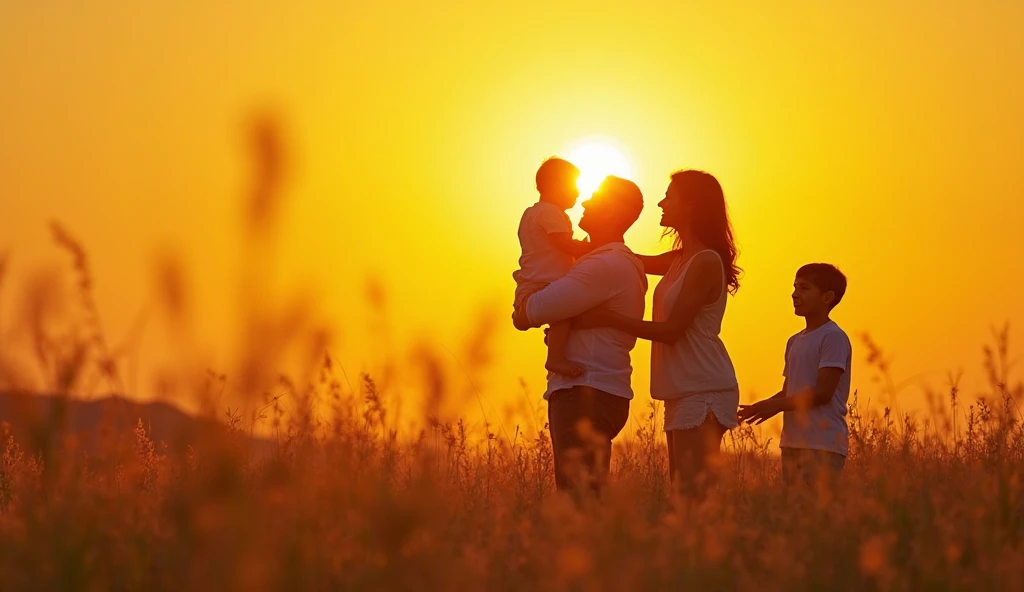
(817, 383)
(548, 249)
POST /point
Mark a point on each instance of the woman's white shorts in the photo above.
(689, 412)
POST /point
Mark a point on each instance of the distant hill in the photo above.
(33, 417)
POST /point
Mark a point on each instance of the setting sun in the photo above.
(597, 160)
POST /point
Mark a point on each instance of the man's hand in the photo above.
(760, 412)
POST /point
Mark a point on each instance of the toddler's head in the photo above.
(556, 182)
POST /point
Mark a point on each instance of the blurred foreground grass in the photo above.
(347, 503)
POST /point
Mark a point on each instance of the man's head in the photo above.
(613, 208)
(818, 288)
(556, 182)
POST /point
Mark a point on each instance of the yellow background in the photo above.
(884, 137)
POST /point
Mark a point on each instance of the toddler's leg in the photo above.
(558, 338)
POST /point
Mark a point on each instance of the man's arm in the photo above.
(564, 242)
(589, 283)
(703, 276)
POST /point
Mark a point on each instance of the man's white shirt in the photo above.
(610, 277)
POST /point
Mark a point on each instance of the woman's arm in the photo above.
(658, 264)
(703, 279)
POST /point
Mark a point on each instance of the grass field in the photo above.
(345, 502)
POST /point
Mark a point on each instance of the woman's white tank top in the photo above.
(698, 362)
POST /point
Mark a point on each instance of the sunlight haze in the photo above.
(596, 160)
(886, 138)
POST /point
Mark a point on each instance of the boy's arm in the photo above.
(781, 394)
(761, 411)
(833, 361)
(820, 394)
(564, 242)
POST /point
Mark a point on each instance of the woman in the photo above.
(690, 367)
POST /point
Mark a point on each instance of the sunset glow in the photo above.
(410, 153)
(596, 160)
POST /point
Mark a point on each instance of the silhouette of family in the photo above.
(591, 295)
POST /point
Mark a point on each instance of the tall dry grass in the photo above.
(346, 500)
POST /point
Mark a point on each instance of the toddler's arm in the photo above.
(564, 242)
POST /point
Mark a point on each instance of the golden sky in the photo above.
(884, 137)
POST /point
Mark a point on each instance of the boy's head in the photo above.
(818, 288)
(556, 182)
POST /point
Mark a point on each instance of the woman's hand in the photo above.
(590, 319)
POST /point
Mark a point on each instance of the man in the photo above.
(586, 412)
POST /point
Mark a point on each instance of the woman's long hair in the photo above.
(709, 220)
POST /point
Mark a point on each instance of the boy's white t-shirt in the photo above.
(823, 427)
(541, 263)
